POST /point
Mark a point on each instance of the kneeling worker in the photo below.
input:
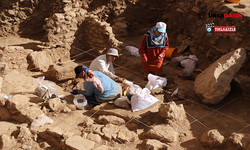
(98, 85)
(103, 63)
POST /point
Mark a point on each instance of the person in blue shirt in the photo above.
(97, 85)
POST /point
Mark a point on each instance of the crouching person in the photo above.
(98, 87)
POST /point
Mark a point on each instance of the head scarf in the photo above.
(81, 71)
(153, 40)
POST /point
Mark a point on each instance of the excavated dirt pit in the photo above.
(229, 116)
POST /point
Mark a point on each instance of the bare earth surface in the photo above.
(230, 115)
(107, 127)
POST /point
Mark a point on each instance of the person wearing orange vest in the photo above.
(152, 48)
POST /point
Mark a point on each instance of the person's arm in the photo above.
(143, 48)
(162, 55)
(103, 68)
(112, 68)
(166, 45)
(143, 45)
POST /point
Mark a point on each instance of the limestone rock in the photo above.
(79, 143)
(24, 134)
(122, 102)
(56, 105)
(213, 84)
(7, 125)
(44, 145)
(175, 114)
(58, 16)
(2, 100)
(212, 138)
(239, 141)
(22, 110)
(28, 114)
(55, 132)
(162, 132)
(61, 72)
(7, 142)
(17, 102)
(41, 60)
(94, 137)
(152, 144)
(110, 119)
(110, 131)
(126, 135)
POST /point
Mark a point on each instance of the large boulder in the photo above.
(41, 60)
(173, 114)
(212, 85)
(61, 72)
(22, 110)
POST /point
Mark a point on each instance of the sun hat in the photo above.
(81, 71)
(161, 27)
(113, 52)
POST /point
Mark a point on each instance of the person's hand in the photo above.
(144, 58)
(118, 79)
(74, 92)
(90, 74)
(162, 55)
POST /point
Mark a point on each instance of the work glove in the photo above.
(74, 92)
(144, 58)
(162, 55)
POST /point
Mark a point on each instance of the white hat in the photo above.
(161, 26)
(113, 52)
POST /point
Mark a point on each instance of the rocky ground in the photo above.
(49, 38)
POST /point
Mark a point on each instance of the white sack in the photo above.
(133, 51)
(142, 99)
(155, 82)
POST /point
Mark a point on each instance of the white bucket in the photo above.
(80, 102)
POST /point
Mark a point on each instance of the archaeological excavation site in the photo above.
(200, 102)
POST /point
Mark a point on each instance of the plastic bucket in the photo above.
(171, 53)
(234, 1)
(80, 102)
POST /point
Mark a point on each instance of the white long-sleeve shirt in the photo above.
(100, 64)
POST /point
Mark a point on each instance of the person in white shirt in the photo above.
(103, 63)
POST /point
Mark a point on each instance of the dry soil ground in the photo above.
(230, 115)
